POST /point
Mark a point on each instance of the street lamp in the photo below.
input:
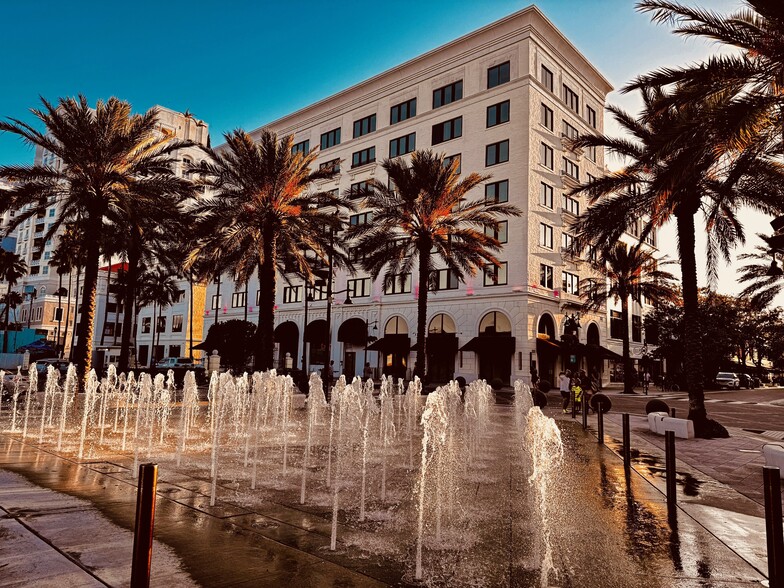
(330, 294)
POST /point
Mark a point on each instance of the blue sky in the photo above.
(242, 63)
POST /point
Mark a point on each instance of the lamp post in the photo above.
(330, 294)
(33, 293)
(367, 338)
(308, 298)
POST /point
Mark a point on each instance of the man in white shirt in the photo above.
(563, 385)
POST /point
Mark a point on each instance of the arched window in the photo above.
(441, 323)
(546, 326)
(397, 325)
(495, 323)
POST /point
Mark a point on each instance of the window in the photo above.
(292, 294)
(590, 116)
(403, 111)
(498, 113)
(179, 297)
(447, 130)
(330, 138)
(301, 147)
(363, 126)
(547, 78)
(238, 299)
(497, 153)
(571, 205)
(448, 94)
(546, 156)
(567, 241)
(571, 169)
(497, 75)
(450, 158)
(571, 283)
(52, 212)
(177, 323)
(398, 286)
(358, 288)
(146, 324)
(217, 302)
(546, 195)
(634, 228)
(360, 219)
(545, 235)
(45, 270)
(174, 351)
(592, 153)
(569, 131)
(402, 145)
(355, 255)
(333, 166)
(161, 324)
(571, 99)
(500, 233)
(444, 279)
(497, 191)
(317, 293)
(616, 325)
(495, 275)
(363, 156)
(358, 190)
(546, 276)
(547, 117)
(650, 238)
(591, 254)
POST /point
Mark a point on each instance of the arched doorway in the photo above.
(594, 351)
(287, 337)
(547, 347)
(316, 338)
(353, 334)
(441, 348)
(394, 347)
(494, 347)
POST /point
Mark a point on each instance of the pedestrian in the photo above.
(577, 391)
(534, 377)
(368, 371)
(646, 381)
(329, 372)
(564, 379)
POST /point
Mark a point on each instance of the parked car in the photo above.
(746, 381)
(42, 365)
(727, 380)
(177, 362)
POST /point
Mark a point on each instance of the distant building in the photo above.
(503, 100)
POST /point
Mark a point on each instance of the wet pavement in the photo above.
(65, 523)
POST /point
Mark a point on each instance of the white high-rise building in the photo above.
(502, 99)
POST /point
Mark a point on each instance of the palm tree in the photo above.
(62, 262)
(627, 272)
(753, 72)
(11, 299)
(160, 289)
(12, 269)
(424, 216)
(261, 215)
(763, 279)
(114, 164)
(675, 166)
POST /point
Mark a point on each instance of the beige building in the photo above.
(502, 99)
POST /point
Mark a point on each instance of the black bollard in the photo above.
(669, 464)
(772, 482)
(145, 518)
(600, 422)
(585, 412)
(672, 412)
(627, 449)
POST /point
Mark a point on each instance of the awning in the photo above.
(491, 343)
(353, 331)
(391, 344)
(547, 346)
(602, 352)
(316, 332)
(440, 343)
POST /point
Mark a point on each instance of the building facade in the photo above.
(504, 100)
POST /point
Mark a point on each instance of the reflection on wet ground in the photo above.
(608, 529)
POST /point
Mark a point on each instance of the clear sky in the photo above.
(241, 63)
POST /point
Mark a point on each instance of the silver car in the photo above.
(728, 380)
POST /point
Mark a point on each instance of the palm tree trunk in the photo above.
(87, 324)
(420, 367)
(7, 317)
(265, 347)
(628, 383)
(71, 351)
(67, 315)
(154, 329)
(106, 303)
(692, 345)
(59, 310)
(190, 319)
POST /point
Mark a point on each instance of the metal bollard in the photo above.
(600, 422)
(669, 464)
(773, 527)
(585, 412)
(142, 533)
(627, 449)
(672, 412)
(574, 405)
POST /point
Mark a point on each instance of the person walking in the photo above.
(564, 379)
(646, 381)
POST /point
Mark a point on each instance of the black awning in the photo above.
(547, 346)
(491, 344)
(602, 352)
(441, 343)
(391, 344)
(316, 332)
(353, 331)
